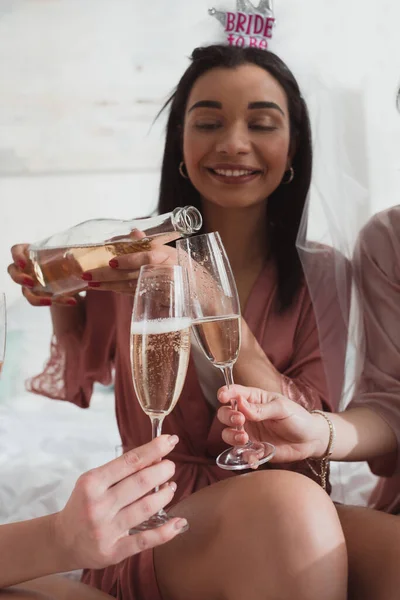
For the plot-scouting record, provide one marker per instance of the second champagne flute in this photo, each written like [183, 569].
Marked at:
[215, 312]
[160, 348]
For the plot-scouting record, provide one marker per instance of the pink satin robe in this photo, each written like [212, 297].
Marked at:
[289, 340]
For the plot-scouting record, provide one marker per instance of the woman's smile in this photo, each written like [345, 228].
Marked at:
[234, 174]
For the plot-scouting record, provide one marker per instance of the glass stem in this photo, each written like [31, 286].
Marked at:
[156, 426]
[228, 376]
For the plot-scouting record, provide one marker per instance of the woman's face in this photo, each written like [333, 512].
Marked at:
[236, 135]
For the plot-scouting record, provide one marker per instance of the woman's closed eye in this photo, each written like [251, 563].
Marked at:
[208, 125]
[263, 125]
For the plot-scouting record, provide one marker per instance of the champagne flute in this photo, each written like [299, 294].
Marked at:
[215, 313]
[160, 348]
[3, 328]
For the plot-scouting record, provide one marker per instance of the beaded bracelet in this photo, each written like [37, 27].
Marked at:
[324, 460]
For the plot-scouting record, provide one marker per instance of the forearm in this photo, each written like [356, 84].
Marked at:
[30, 549]
[253, 368]
[361, 434]
[257, 371]
[67, 319]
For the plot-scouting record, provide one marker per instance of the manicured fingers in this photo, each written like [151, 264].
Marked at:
[36, 299]
[19, 253]
[146, 507]
[19, 276]
[228, 394]
[64, 301]
[274, 407]
[256, 404]
[132, 544]
[230, 417]
[31, 290]
[134, 460]
[232, 437]
[109, 275]
[253, 457]
[131, 488]
[126, 266]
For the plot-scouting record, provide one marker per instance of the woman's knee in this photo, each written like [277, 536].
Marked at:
[277, 497]
[291, 510]
[257, 528]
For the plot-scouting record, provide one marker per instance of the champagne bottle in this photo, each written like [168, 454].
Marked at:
[60, 260]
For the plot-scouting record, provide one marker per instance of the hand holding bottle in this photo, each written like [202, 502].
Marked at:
[120, 276]
[123, 271]
[102, 253]
[21, 272]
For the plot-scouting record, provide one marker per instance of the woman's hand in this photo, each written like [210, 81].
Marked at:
[271, 417]
[120, 276]
[21, 271]
[92, 529]
[123, 271]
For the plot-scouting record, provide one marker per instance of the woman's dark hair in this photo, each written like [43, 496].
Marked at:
[287, 203]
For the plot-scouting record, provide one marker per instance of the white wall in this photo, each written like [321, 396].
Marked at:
[81, 81]
[34, 207]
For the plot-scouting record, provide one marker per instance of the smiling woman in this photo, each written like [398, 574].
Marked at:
[239, 138]
[237, 147]
[241, 109]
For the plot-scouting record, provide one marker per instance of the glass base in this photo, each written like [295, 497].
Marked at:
[155, 521]
[249, 456]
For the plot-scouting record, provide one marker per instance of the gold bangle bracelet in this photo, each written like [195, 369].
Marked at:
[324, 460]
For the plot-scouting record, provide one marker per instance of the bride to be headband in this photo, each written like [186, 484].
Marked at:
[247, 25]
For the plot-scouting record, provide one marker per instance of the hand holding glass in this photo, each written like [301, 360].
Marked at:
[215, 313]
[160, 348]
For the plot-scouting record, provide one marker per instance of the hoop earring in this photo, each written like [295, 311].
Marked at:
[181, 171]
[291, 176]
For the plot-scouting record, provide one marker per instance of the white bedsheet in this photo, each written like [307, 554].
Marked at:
[45, 445]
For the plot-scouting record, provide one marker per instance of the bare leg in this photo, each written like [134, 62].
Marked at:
[373, 543]
[269, 535]
[53, 587]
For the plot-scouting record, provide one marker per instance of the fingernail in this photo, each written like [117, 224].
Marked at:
[45, 302]
[72, 302]
[235, 419]
[253, 462]
[113, 263]
[87, 276]
[94, 284]
[181, 525]
[21, 263]
[173, 440]
[27, 282]
[173, 486]
[239, 437]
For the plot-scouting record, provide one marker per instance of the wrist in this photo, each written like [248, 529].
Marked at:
[63, 550]
[322, 435]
